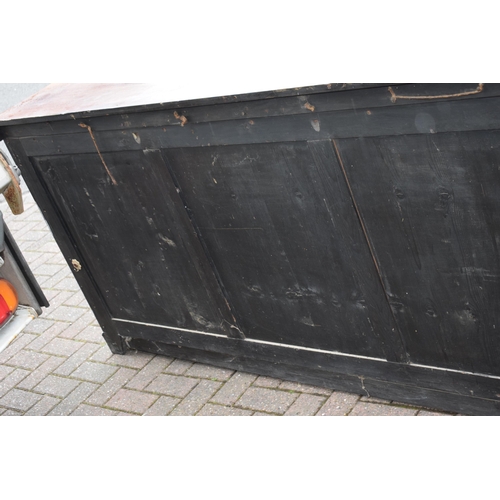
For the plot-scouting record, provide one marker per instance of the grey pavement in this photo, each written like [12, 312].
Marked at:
[60, 364]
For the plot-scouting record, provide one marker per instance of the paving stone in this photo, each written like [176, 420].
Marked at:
[94, 372]
[36, 245]
[75, 328]
[84, 410]
[338, 404]
[75, 300]
[56, 386]
[132, 401]
[19, 400]
[131, 359]
[57, 299]
[211, 372]
[305, 405]
[268, 400]
[234, 388]
[19, 343]
[91, 334]
[27, 359]
[102, 354]
[267, 382]
[46, 269]
[171, 385]
[71, 402]
[213, 410]
[19, 227]
[178, 367]
[51, 294]
[56, 278]
[56, 258]
[76, 359]
[84, 303]
[51, 333]
[11, 413]
[69, 283]
[33, 236]
[49, 247]
[62, 347]
[149, 372]
[163, 406]
[40, 373]
[5, 370]
[308, 389]
[363, 408]
[35, 259]
[39, 325]
[111, 386]
[12, 380]
[43, 406]
[195, 400]
[65, 313]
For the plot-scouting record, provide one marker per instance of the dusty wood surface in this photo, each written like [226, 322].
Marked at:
[330, 235]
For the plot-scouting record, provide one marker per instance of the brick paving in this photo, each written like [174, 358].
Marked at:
[60, 364]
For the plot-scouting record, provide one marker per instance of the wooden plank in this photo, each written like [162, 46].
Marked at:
[431, 206]
[328, 363]
[269, 240]
[278, 223]
[83, 98]
[427, 118]
[67, 244]
[135, 239]
[358, 100]
[391, 381]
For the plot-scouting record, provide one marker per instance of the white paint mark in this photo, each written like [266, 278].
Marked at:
[167, 240]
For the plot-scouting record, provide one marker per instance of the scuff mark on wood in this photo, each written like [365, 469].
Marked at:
[309, 106]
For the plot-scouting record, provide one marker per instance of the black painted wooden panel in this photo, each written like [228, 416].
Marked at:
[136, 240]
[280, 227]
[358, 100]
[427, 118]
[431, 206]
[245, 217]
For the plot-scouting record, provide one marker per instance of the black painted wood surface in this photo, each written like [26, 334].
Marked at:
[346, 237]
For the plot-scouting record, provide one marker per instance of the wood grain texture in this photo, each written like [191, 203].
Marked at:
[447, 398]
[361, 101]
[426, 118]
[135, 239]
[352, 240]
[431, 205]
[279, 225]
